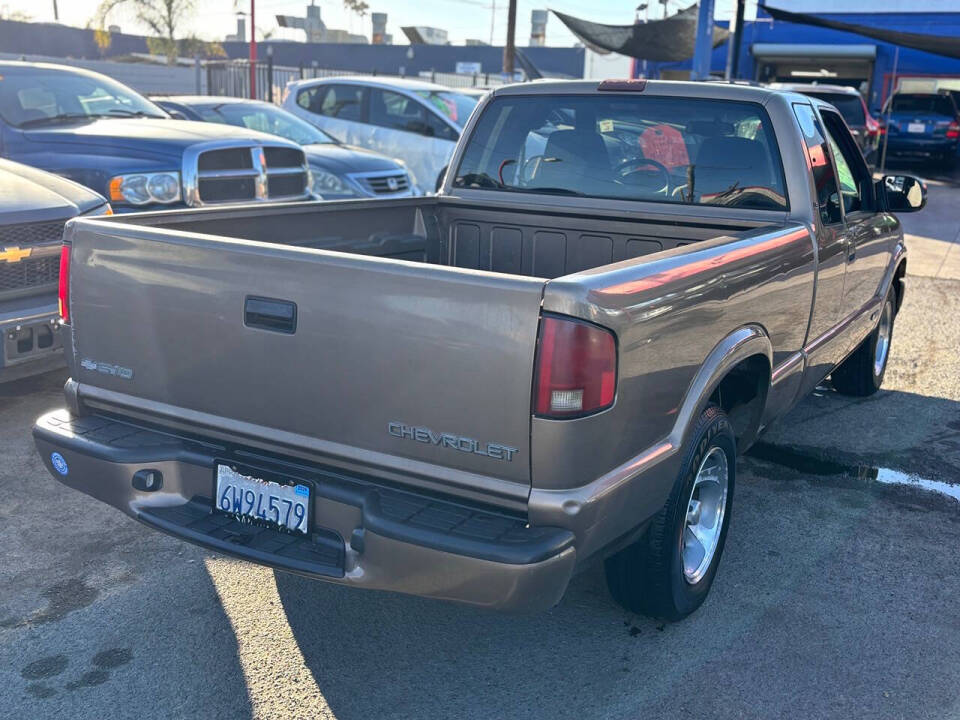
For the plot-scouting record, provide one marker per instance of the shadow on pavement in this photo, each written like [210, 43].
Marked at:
[819, 609]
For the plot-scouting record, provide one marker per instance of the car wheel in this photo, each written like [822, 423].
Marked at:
[668, 572]
[862, 373]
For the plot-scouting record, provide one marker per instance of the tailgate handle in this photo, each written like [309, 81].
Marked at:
[270, 314]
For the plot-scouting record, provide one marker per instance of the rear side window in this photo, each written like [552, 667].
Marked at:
[627, 147]
[344, 102]
[821, 166]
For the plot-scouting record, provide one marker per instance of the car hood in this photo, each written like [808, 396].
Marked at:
[31, 195]
[344, 159]
[142, 137]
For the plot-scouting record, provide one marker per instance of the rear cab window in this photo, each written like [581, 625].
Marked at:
[627, 147]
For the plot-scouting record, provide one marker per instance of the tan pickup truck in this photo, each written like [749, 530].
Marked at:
[470, 396]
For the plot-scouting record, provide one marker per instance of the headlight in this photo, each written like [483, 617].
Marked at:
[145, 188]
[326, 184]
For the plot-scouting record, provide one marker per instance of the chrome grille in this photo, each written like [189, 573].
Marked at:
[388, 183]
[231, 172]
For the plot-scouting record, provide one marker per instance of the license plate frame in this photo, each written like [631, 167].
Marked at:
[916, 127]
[256, 498]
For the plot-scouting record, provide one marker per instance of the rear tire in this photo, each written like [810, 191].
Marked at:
[861, 374]
[663, 574]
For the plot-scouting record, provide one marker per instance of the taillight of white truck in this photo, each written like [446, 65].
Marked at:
[576, 368]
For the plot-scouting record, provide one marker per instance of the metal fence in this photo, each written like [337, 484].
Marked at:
[232, 78]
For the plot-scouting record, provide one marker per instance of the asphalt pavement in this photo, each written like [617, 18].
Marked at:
[836, 596]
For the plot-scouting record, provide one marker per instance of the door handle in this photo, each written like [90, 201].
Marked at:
[270, 314]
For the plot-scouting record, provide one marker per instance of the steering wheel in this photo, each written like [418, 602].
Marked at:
[633, 166]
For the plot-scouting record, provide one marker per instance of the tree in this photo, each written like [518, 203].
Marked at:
[357, 6]
[164, 18]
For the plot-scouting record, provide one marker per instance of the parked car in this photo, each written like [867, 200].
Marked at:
[866, 130]
[416, 121]
[471, 395]
[923, 125]
[339, 171]
[91, 129]
[34, 205]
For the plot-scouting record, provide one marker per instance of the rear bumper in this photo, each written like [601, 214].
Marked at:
[30, 338]
[920, 147]
[361, 534]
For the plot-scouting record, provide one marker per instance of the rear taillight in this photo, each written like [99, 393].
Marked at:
[576, 371]
[953, 130]
[63, 294]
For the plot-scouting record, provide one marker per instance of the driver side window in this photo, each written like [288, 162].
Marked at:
[821, 165]
[848, 165]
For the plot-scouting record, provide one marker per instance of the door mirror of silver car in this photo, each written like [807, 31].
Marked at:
[904, 193]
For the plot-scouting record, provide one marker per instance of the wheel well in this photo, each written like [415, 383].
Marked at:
[899, 283]
[742, 394]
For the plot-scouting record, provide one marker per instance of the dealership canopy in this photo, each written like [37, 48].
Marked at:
[669, 40]
[937, 44]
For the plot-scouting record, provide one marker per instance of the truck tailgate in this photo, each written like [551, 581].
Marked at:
[397, 366]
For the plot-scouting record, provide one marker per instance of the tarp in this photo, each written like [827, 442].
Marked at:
[669, 40]
[937, 44]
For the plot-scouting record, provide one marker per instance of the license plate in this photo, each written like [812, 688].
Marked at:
[916, 127]
[247, 497]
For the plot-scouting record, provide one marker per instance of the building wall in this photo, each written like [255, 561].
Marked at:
[910, 62]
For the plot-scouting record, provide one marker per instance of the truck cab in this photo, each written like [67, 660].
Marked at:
[101, 134]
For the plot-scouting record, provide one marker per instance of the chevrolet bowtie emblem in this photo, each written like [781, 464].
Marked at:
[14, 254]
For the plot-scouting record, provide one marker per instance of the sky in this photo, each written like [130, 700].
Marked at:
[213, 19]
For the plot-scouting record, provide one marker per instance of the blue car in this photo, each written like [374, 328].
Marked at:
[339, 171]
[924, 125]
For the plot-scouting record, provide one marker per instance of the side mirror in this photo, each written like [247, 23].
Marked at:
[177, 115]
[903, 193]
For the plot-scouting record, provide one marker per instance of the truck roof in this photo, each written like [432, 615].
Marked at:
[675, 88]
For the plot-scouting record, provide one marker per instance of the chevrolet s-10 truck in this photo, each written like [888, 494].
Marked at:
[473, 395]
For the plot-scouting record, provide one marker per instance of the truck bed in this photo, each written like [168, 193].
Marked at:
[545, 243]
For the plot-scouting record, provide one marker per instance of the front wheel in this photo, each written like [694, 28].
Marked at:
[862, 373]
[669, 571]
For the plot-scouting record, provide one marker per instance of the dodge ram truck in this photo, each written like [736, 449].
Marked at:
[470, 396]
[100, 133]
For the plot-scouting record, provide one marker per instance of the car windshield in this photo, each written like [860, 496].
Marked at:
[936, 104]
[455, 106]
[266, 118]
[850, 106]
[35, 96]
[672, 150]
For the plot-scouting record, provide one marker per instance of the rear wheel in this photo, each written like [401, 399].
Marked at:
[669, 571]
[862, 373]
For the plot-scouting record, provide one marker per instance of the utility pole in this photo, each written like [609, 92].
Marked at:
[493, 16]
[253, 52]
[703, 48]
[735, 41]
[508, 49]
[56, 13]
